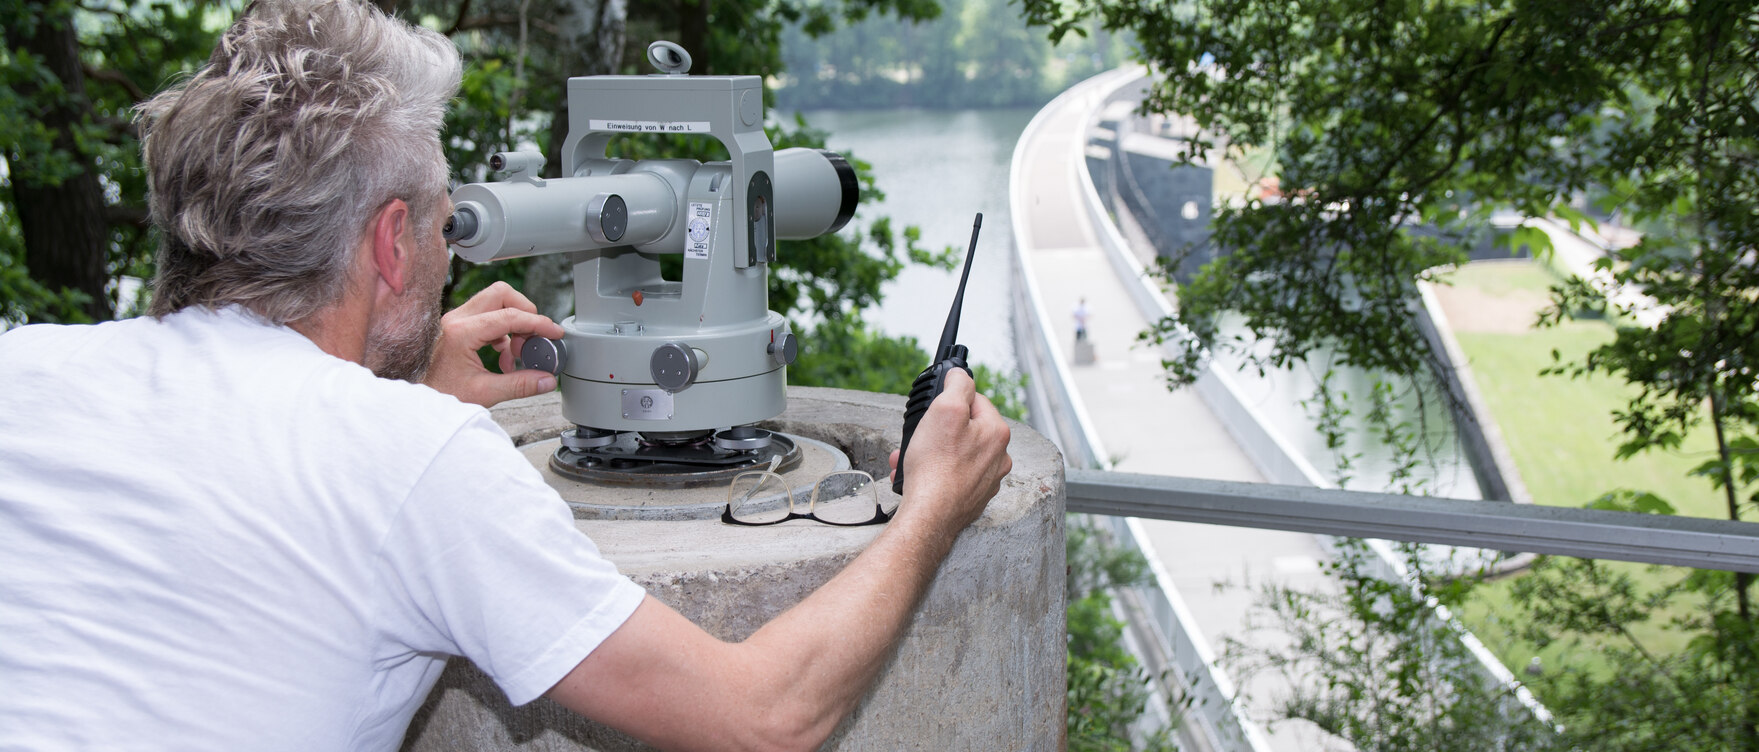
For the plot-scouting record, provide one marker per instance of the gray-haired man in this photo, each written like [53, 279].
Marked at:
[219, 530]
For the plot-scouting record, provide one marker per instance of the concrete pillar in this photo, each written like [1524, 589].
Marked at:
[980, 667]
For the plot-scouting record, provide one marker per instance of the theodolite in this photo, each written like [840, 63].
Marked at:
[662, 377]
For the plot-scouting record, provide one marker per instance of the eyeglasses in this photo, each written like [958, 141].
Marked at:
[845, 498]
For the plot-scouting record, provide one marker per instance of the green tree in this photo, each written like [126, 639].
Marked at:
[73, 213]
[1382, 667]
[1397, 129]
[1108, 688]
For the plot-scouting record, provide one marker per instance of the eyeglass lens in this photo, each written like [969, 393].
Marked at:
[849, 497]
[758, 497]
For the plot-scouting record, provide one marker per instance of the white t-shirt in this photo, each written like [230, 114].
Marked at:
[213, 535]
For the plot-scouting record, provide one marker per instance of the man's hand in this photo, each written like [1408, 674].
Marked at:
[497, 316]
[958, 456]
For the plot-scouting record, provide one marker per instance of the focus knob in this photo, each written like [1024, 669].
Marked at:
[785, 350]
[674, 366]
[607, 218]
[548, 355]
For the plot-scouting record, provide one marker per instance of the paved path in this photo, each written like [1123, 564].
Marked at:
[1144, 427]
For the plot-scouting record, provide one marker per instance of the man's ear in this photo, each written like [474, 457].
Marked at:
[391, 246]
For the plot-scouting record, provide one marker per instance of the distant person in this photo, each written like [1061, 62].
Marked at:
[1083, 348]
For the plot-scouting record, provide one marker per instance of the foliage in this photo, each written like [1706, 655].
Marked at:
[1108, 688]
[843, 352]
[24, 300]
[1397, 129]
[1384, 121]
[1640, 699]
[975, 53]
[1381, 665]
[124, 51]
[1682, 167]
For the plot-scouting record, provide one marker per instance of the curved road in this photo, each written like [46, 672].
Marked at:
[1143, 427]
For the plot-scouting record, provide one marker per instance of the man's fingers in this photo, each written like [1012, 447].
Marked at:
[959, 382]
[495, 388]
[496, 296]
[521, 384]
[507, 346]
[956, 392]
[983, 409]
[485, 328]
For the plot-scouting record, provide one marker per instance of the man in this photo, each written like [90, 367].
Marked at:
[1080, 313]
[218, 530]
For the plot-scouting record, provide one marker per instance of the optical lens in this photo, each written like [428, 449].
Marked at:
[758, 497]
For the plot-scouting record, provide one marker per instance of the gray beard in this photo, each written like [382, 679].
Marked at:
[401, 349]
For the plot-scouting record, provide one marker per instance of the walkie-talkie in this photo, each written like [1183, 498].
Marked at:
[947, 357]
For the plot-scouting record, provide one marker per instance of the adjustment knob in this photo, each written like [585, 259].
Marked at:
[674, 366]
[785, 350]
[548, 355]
[607, 218]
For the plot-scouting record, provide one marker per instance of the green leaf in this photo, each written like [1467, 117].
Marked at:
[1538, 243]
[1574, 216]
[1641, 502]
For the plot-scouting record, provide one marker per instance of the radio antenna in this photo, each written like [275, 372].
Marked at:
[951, 332]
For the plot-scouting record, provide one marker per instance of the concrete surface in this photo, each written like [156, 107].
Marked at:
[980, 667]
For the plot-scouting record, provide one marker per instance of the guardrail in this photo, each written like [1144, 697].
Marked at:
[1696, 542]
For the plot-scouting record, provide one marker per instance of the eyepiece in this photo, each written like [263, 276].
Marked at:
[461, 225]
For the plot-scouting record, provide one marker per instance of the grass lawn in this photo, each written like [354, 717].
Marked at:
[1561, 430]
[1235, 177]
[1563, 438]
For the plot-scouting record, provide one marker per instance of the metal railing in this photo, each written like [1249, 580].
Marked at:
[1499, 525]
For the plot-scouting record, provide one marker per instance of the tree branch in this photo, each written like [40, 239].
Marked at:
[124, 214]
[116, 77]
[498, 21]
[458, 20]
[118, 130]
[1453, 102]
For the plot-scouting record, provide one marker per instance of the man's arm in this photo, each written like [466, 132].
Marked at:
[497, 316]
[667, 682]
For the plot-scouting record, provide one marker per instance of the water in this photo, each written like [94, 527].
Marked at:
[938, 169]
